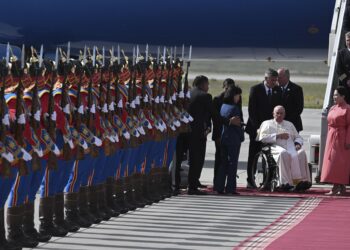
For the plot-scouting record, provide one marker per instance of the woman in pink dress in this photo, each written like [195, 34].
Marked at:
[336, 161]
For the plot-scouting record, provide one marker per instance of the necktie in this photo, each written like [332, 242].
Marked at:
[269, 93]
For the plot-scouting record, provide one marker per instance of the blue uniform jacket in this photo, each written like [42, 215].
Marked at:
[231, 134]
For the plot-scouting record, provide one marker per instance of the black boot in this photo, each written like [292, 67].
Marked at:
[83, 206]
[119, 193]
[102, 204]
[28, 225]
[4, 245]
[72, 212]
[94, 204]
[129, 193]
[153, 185]
[146, 190]
[111, 196]
[58, 218]
[47, 226]
[137, 186]
[14, 228]
[166, 182]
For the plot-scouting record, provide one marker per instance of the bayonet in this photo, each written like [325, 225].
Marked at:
[68, 52]
[137, 53]
[22, 57]
[103, 56]
[174, 53]
[183, 52]
[158, 54]
[164, 55]
[133, 56]
[190, 53]
[94, 57]
[146, 53]
[171, 56]
[41, 56]
[112, 55]
[84, 56]
[56, 60]
[118, 54]
[7, 55]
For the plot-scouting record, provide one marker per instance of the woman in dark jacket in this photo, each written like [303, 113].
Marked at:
[231, 139]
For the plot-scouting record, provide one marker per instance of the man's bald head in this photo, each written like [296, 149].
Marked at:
[283, 76]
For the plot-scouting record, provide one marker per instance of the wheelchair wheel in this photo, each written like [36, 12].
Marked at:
[260, 171]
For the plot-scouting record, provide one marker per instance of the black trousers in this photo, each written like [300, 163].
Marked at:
[197, 148]
[181, 149]
[254, 148]
[217, 162]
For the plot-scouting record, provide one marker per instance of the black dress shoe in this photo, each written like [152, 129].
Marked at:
[202, 186]
[251, 186]
[195, 192]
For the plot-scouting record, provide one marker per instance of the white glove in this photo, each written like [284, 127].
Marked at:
[132, 105]
[141, 130]
[6, 120]
[66, 109]
[174, 97]
[37, 115]
[116, 138]
[39, 152]
[56, 151]
[104, 109]
[7, 156]
[120, 103]
[137, 100]
[182, 94]
[71, 144]
[157, 99]
[172, 127]
[162, 99]
[81, 109]
[97, 141]
[177, 123]
[126, 135]
[149, 126]
[137, 134]
[21, 119]
[111, 106]
[184, 119]
[161, 128]
[170, 101]
[145, 99]
[26, 156]
[54, 116]
[85, 146]
[93, 109]
[188, 94]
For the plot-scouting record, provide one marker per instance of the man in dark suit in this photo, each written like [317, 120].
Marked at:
[217, 126]
[343, 66]
[202, 110]
[263, 98]
[292, 98]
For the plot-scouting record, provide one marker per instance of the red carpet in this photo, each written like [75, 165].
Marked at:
[326, 227]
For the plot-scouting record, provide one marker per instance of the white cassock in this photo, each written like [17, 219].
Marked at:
[292, 164]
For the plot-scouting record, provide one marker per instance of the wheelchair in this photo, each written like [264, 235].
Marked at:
[265, 170]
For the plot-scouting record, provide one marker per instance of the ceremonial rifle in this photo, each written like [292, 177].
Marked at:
[6, 165]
